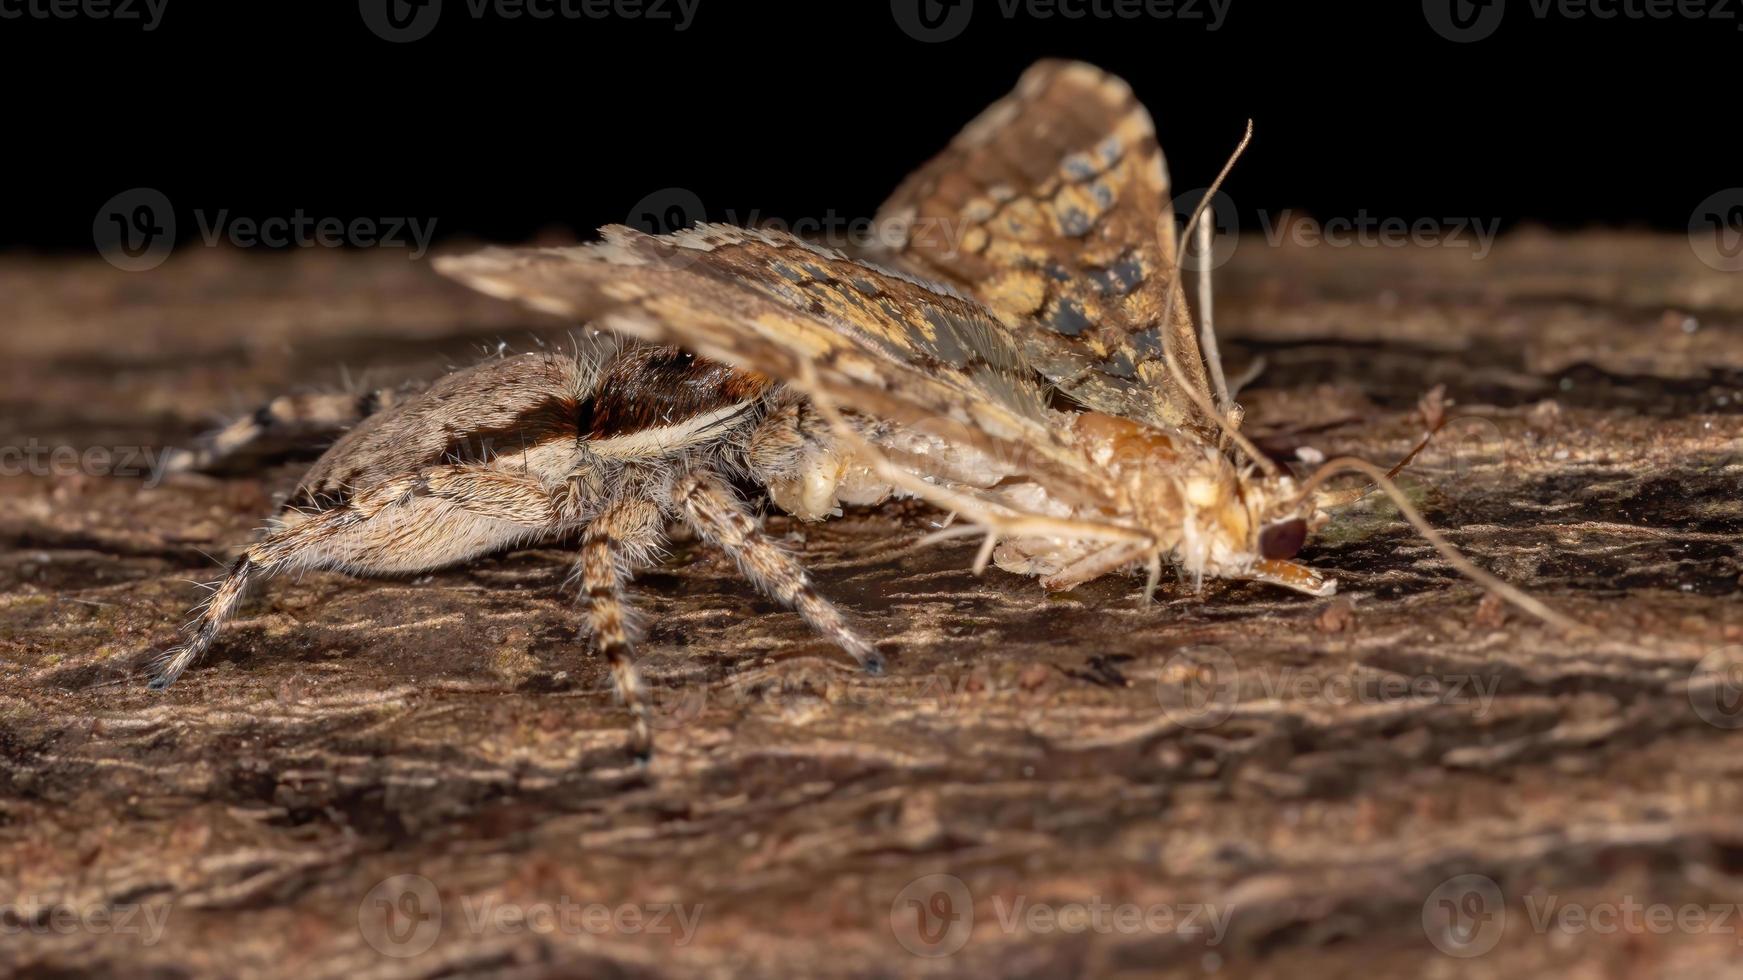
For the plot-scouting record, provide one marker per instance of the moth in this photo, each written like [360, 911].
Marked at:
[1018, 352]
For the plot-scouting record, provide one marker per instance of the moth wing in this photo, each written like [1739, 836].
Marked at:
[875, 341]
[1052, 207]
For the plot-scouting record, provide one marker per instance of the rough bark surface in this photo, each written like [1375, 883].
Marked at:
[1305, 774]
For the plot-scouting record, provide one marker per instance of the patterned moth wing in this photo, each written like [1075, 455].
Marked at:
[1052, 207]
[881, 343]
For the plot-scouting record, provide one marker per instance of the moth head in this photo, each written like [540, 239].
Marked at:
[1282, 519]
[1235, 518]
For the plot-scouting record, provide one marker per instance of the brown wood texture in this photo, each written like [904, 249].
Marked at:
[1304, 774]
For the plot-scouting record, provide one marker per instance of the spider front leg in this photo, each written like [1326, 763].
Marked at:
[622, 538]
[285, 422]
[709, 506]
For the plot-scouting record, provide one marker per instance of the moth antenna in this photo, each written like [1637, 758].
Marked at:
[1175, 372]
[1511, 593]
[1213, 357]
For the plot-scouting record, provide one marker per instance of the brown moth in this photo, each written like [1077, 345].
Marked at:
[1038, 376]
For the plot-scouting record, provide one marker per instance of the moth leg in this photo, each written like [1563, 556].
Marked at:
[1292, 575]
[621, 538]
[716, 513]
[1093, 566]
[285, 422]
[343, 536]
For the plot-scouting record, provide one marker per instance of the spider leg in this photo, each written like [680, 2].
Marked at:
[285, 422]
[711, 507]
[622, 537]
[408, 523]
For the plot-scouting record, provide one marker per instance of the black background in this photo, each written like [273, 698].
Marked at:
[505, 129]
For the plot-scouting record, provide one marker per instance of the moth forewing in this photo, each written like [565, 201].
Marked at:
[893, 347]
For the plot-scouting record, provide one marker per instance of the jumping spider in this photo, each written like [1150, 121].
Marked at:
[612, 441]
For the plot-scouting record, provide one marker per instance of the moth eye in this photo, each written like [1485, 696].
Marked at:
[1283, 539]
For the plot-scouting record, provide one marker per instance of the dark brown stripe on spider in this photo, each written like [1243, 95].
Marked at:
[550, 420]
[649, 387]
